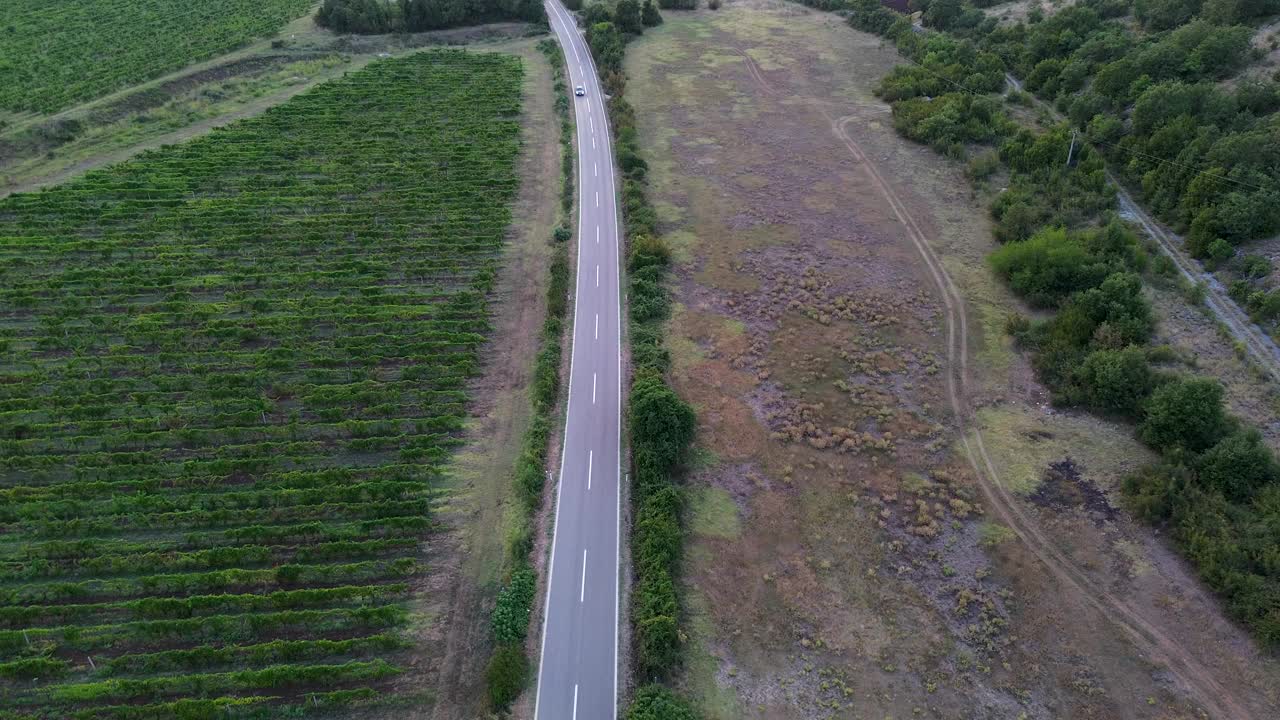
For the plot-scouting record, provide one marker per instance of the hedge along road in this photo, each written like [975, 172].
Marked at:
[578, 666]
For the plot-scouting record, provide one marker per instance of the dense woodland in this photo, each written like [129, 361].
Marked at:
[372, 17]
[1147, 100]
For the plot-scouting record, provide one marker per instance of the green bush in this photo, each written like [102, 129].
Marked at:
[510, 618]
[507, 675]
[655, 702]
[1186, 413]
[1048, 267]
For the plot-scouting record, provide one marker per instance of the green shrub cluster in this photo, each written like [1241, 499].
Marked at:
[238, 367]
[655, 702]
[54, 56]
[369, 17]
[1204, 155]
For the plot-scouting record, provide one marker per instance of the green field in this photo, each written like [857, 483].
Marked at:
[54, 54]
[231, 373]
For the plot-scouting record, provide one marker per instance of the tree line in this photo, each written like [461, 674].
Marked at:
[374, 17]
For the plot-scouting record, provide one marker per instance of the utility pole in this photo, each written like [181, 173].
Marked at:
[1071, 150]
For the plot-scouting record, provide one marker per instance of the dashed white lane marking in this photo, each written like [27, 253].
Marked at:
[592, 123]
[593, 388]
[597, 276]
[593, 142]
[597, 234]
[591, 454]
[595, 168]
[597, 326]
[597, 198]
[575, 701]
[582, 594]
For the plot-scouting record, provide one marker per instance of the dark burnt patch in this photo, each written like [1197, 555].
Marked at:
[1064, 488]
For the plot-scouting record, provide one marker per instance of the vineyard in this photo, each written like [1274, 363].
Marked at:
[231, 374]
[55, 54]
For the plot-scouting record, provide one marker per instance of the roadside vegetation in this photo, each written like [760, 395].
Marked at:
[660, 424]
[1217, 488]
[54, 55]
[233, 371]
[375, 17]
[508, 670]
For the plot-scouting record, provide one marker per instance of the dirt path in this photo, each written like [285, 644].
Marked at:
[1197, 680]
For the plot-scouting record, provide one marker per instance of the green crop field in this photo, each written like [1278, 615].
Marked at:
[55, 53]
[231, 374]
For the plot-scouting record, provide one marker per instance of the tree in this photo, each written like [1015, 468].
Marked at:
[649, 14]
[366, 17]
[943, 14]
[655, 702]
[1048, 266]
[626, 16]
[1238, 465]
[1186, 413]
[1116, 381]
[660, 420]
[606, 45]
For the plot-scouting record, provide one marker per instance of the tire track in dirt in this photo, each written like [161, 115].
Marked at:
[1195, 678]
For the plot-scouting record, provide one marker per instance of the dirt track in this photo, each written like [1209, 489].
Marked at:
[1196, 679]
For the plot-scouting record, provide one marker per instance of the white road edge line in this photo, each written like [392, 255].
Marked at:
[582, 594]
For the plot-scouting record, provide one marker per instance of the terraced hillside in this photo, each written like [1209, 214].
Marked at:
[231, 372]
[54, 54]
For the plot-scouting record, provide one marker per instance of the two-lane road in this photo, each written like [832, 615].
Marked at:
[578, 669]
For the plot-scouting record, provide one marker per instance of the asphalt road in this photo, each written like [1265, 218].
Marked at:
[578, 668]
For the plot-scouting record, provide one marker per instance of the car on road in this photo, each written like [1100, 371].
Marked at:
[579, 91]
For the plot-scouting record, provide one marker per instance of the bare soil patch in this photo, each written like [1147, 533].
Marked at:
[842, 338]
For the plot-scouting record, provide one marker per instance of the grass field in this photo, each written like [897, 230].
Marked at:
[54, 54]
[230, 374]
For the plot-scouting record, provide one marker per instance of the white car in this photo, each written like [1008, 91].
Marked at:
[579, 91]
